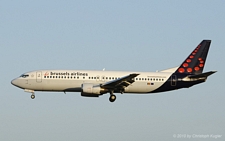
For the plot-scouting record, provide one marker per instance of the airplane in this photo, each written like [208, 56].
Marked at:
[96, 83]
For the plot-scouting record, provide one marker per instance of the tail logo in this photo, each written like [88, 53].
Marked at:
[186, 67]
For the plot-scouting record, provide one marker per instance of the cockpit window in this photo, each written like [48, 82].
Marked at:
[24, 75]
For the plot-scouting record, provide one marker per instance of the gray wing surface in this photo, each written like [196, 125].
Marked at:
[121, 83]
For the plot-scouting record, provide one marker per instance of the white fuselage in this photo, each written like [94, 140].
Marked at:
[72, 80]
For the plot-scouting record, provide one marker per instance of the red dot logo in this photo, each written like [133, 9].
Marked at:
[188, 60]
[191, 56]
[189, 70]
[185, 65]
[201, 65]
[181, 70]
[196, 68]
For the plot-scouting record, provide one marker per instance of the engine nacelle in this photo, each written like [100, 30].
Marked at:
[89, 90]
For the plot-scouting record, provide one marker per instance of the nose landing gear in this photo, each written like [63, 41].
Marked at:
[30, 91]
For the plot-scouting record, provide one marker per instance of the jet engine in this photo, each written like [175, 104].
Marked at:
[91, 90]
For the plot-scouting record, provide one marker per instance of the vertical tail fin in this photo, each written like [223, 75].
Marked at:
[195, 62]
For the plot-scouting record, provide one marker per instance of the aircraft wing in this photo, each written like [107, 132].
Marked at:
[121, 83]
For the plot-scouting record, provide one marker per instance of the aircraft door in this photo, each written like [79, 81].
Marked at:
[39, 77]
[173, 80]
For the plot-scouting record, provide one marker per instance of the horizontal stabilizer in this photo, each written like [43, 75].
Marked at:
[202, 75]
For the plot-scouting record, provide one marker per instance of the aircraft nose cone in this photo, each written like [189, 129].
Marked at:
[18, 83]
[14, 82]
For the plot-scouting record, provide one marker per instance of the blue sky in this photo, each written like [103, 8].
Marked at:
[116, 35]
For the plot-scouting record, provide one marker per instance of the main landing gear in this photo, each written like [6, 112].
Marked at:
[112, 97]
